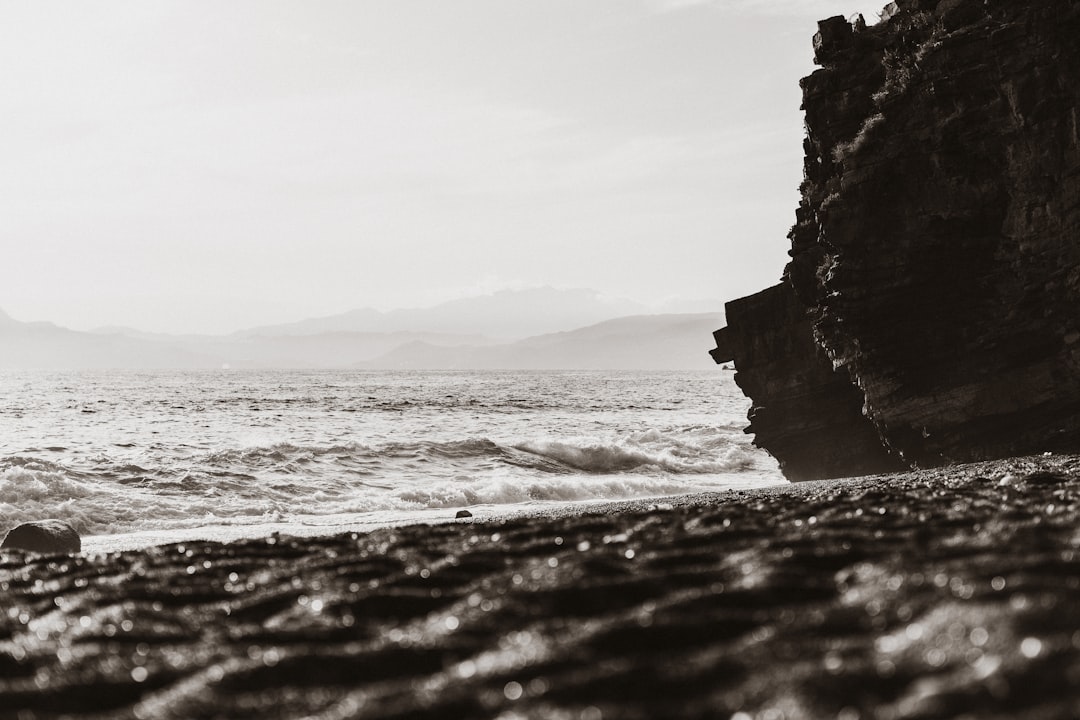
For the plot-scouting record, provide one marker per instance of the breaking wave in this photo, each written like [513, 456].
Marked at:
[675, 457]
[282, 481]
[177, 450]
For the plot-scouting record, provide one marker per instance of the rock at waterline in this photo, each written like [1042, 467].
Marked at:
[43, 536]
[463, 514]
[928, 314]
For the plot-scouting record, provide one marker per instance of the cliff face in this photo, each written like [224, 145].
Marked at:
[801, 405]
[936, 250]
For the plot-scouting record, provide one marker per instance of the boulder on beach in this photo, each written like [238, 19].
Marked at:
[43, 536]
[463, 514]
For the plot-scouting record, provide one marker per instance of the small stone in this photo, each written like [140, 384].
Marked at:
[49, 537]
[463, 514]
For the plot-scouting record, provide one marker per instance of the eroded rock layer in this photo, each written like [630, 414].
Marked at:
[936, 250]
[802, 402]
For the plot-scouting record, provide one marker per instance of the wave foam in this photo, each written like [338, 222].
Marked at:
[651, 449]
[515, 490]
[282, 481]
[692, 450]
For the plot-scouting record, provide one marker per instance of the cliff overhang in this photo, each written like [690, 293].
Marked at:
[930, 312]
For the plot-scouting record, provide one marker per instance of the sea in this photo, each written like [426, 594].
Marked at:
[138, 458]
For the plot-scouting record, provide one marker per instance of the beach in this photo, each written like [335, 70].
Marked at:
[363, 359]
[952, 592]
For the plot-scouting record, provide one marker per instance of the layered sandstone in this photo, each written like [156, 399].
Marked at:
[936, 251]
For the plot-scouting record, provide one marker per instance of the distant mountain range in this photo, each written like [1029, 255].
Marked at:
[45, 346]
[506, 315]
[652, 342]
[529, 329]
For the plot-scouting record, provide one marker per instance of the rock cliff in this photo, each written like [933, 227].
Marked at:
[931, 309]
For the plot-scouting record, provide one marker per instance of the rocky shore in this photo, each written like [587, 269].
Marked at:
[941, 593]
[928, 313]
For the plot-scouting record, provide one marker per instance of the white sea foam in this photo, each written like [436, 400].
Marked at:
[282, 483]
[512, 490]
[165, 452]
[649, 450]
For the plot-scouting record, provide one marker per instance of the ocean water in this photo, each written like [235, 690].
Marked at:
[157, 453]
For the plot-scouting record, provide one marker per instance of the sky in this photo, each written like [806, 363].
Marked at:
[205, 166]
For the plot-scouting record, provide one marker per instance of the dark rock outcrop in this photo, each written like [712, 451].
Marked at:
[801, 403]
[49, 537]
[935, 274]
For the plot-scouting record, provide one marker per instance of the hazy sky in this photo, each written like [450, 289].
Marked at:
[201, 165]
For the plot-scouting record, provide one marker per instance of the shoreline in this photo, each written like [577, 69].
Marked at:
[933, 593]
[143, 539]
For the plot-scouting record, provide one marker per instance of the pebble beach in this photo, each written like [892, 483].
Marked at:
[952, 592]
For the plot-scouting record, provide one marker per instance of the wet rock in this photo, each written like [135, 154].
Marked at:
[463, 514]
[43, 536]
[934, 270]
[1043, 477]
[888, 597]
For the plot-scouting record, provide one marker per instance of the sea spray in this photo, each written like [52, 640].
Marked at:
[181, 450]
